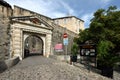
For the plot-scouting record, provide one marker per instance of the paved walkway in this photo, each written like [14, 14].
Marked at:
[41, 68]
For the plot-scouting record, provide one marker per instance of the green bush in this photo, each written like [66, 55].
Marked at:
[104, 56]
[74, 49]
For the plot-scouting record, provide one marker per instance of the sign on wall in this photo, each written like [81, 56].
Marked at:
[65, 39]
[58, 47]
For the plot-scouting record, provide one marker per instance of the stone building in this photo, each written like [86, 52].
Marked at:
[71, 23]
[26, 31]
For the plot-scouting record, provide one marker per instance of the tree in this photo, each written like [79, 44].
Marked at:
[84, 35]
[106, 26]
[104, 31]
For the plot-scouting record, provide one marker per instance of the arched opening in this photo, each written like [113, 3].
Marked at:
[33, 45]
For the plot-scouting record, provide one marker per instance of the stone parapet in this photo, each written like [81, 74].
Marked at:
[8, 63]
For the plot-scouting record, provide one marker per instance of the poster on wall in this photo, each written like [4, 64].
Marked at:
[58, 47]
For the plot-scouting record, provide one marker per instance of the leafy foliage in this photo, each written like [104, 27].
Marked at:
[104, 31]
[74, 49]
[104, 54]
[84, 35]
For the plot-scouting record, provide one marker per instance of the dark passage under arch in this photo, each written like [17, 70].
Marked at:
[33, 45]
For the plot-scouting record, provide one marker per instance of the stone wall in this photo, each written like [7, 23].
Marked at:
[8, 63]
[4, 40]
[58, 32]
[5, 12]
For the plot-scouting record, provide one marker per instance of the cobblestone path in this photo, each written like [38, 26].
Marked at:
[41, 68]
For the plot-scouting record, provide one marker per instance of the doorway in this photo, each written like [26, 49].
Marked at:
[33, 45]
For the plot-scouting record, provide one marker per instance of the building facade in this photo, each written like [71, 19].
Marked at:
[71, 23]
[26, 31]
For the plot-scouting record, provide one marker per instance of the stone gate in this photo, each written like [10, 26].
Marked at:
[25, 26]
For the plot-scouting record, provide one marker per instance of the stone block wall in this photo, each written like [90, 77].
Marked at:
[4, 38]
[57, 37]
[5, 13]
[5, 10]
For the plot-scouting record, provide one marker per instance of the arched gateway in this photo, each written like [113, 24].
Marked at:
[30, 35]
[33, 45]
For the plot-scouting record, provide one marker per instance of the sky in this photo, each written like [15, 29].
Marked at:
[83, 9]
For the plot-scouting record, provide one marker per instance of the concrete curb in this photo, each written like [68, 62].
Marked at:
[8, 63]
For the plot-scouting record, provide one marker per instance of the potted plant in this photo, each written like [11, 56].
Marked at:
[74, 51]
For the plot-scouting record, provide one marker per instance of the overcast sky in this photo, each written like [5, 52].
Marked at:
[82, 9]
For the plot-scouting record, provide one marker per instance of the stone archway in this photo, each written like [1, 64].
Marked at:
[33, 45]
[21, 30]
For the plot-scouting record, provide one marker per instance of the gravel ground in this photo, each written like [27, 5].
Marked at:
[41, 68]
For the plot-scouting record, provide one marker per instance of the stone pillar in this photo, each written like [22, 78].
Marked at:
[17, 43]
[48, 45]
[11, 41]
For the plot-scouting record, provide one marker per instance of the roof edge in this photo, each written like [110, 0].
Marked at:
[68, 17]
[32, 11]
[4, 3]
